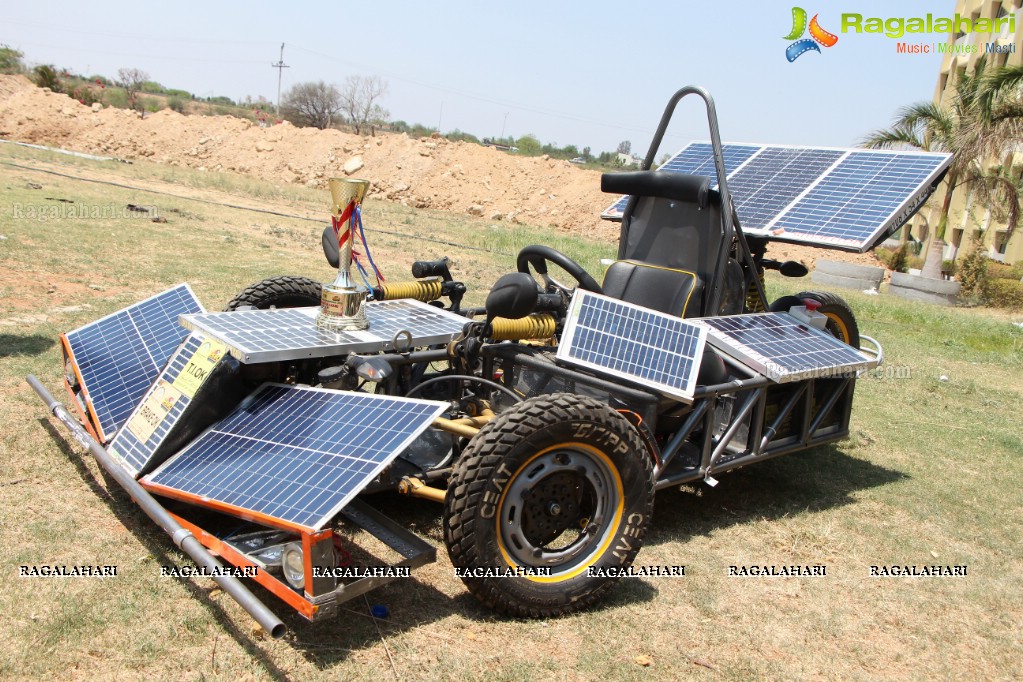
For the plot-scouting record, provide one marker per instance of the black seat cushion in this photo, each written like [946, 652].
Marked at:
[671, 291]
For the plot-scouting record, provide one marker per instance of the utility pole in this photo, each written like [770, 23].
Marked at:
[280, 66]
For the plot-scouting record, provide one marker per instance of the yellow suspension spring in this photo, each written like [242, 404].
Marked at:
[753, 303]
[425, 290]
[535, 326]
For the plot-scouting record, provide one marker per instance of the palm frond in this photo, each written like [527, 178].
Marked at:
[895, 137]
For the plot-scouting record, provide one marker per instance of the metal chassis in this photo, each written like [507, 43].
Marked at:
[809, 402]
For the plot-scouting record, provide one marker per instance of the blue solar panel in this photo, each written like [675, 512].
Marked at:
[289, 333]
[119, 356]
[659, 351]
[163, 404]
[783, 348]
[857, 198]
[826, 196]
[294, 455]
[773, 179]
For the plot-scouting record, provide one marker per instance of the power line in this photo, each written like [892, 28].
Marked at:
[280, 66]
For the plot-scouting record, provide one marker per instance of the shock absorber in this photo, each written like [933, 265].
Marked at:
[535, 326]
[753, 303]
[425, 290]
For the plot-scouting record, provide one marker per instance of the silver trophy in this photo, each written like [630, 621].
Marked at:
[343, 302]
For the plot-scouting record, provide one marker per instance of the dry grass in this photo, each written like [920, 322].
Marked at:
[931, 474]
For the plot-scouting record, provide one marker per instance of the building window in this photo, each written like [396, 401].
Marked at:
[1000, 242]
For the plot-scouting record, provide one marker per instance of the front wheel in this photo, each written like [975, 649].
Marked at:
[548, 505]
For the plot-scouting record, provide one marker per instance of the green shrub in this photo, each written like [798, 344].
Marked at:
[10, 60]
[899, 261]
[45, 76]
[176, 104]
[151, 104]
[896, 260]
[116, 97]
[973, 277]
[948, 267]
[1005, 293]
[1002, 271]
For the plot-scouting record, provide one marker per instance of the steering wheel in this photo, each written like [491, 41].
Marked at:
[538, 256]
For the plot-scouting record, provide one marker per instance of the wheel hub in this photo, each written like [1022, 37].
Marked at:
[556, 509]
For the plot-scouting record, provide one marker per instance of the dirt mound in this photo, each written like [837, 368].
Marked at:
[425, 173]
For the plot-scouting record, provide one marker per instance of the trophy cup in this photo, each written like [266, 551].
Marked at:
[343, 302]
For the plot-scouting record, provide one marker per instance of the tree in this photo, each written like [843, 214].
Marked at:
[311, 104]
[529, 145]
[625, 147]
[981, 119]
[359, 97]
[132, 81]
[10, 60]
[586, 153]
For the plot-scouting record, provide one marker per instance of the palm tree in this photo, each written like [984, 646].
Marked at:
[983, 118]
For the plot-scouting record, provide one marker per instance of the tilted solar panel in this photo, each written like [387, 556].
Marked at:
[119, 356]
[162, 407]
[293, 457]
[662, 352]
[291, 333]
[826, 196]
[783, 348]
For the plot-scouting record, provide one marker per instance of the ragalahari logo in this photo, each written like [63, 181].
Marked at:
[817, 35]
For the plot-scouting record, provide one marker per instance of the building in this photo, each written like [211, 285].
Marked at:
[967, 221]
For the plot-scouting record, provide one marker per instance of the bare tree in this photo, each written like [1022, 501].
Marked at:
[624, 147]
[132, 80]
[311, 104]
[359, 101]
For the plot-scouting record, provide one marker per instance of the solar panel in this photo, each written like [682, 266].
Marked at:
[293, 457]
[782, 348]
[659, 351]
[826, 196]
[161, 408]
[119, 356]
[291, 333]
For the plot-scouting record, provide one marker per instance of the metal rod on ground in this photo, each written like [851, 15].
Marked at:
[182, 538]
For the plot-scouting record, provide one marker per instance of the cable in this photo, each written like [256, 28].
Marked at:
[247, 208]
[467, 378]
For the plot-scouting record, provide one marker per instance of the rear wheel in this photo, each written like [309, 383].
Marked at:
[841, 321]
[547, 505]
[286, 291]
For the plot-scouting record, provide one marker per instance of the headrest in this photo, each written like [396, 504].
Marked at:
[664, 184]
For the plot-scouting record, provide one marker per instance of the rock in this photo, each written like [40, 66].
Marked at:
[262, 146]
[430, 145]
[353, 164]
[497, 215]
[96, 107]
[475, 209]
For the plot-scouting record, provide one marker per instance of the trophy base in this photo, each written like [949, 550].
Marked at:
[342, 309]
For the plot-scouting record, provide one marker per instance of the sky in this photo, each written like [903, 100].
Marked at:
[590, 73]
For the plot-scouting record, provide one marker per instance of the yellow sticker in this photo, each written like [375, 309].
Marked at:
[153, 410]
[199, 367]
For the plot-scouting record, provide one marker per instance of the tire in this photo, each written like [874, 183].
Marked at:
[286, 291]
[841, 321]
[524, 486]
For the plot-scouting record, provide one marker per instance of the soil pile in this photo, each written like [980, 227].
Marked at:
[425, 173]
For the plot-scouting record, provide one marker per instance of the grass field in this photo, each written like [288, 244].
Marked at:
[931, 474]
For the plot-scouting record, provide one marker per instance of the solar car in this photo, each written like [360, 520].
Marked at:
[544, 422]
